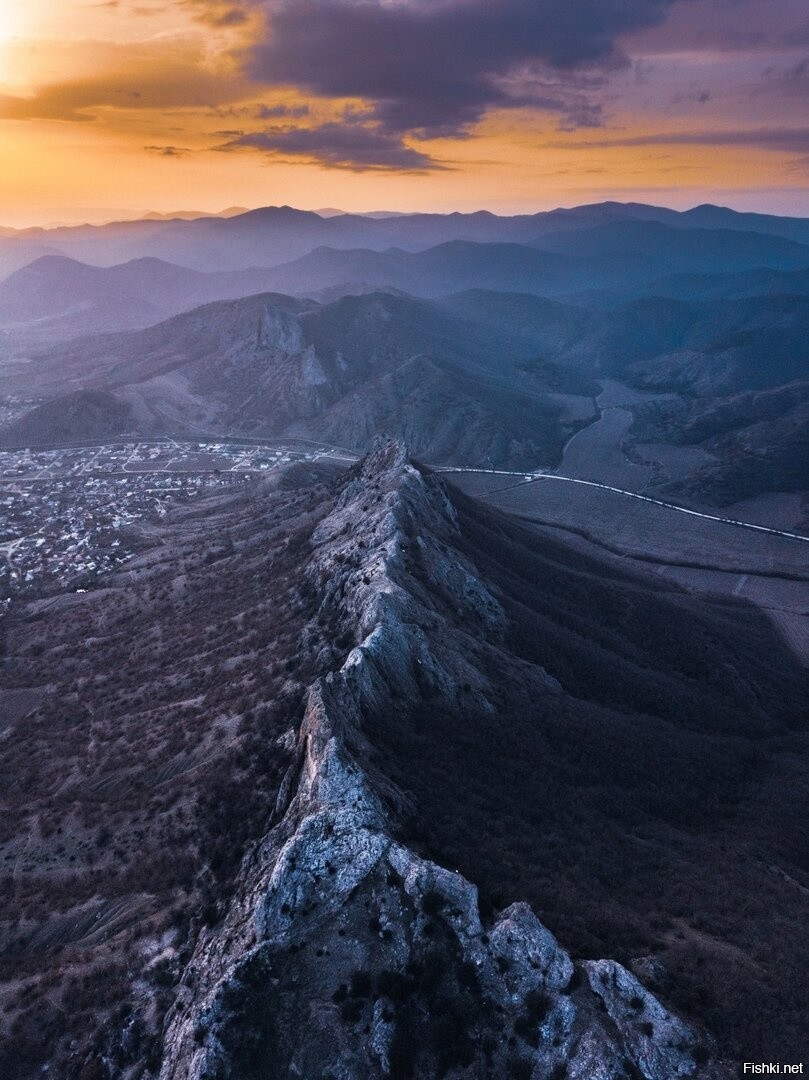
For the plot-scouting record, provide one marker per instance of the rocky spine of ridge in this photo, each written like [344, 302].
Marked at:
[345, 954]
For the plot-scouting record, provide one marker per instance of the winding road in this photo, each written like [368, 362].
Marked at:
[339, 453]
[538, 476]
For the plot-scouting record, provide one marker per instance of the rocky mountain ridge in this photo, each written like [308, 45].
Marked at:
[289, 779]
[342, 941]
[273, 365]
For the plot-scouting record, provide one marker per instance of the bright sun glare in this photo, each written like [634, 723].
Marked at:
[17, 18]
[9, 24]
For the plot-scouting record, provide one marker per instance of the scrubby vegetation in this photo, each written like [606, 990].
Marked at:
[154, 759]
[652, 800]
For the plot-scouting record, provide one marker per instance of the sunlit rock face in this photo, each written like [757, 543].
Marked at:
[347, 955]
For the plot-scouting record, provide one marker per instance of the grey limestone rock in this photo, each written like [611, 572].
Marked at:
[345, 954]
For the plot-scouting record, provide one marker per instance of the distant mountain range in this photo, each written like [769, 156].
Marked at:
[192, 215]
[629, 255]
[478, 339]
[56, 297]
[272, 235]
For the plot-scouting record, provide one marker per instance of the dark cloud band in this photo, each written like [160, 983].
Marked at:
[435, 68]
[347, 145]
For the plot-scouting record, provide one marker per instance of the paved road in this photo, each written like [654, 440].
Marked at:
[538, 477]
[340, 453]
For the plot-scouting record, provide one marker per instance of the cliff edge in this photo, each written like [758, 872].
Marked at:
[344, 953]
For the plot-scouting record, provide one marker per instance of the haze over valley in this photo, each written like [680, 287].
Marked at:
[478, 352]
[634, 386]
[404, 604]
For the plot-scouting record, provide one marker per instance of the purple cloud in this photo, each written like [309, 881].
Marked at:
[276, 112]
[354, 146]
[434, 69]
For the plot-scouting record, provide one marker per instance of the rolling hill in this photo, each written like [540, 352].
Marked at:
[269, 236]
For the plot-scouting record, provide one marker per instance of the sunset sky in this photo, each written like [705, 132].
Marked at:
[113, 108]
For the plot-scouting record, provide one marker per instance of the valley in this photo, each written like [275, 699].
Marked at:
[761, 556]
[601, 495]
[404, 630]
[404, 539]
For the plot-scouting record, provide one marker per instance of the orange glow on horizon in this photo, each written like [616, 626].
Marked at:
[115, 110]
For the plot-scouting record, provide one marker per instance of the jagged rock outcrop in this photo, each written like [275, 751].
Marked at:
[347, 955]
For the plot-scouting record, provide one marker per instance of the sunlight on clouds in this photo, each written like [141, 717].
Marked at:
[103, 96]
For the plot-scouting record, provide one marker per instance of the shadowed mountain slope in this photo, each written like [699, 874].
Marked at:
[452, 379]
[616, 255]
[699, 288]
[717, 349]
[438, 271]
[758, 441]
[380, 678]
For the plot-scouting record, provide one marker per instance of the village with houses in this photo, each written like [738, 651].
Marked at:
[66, 514]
